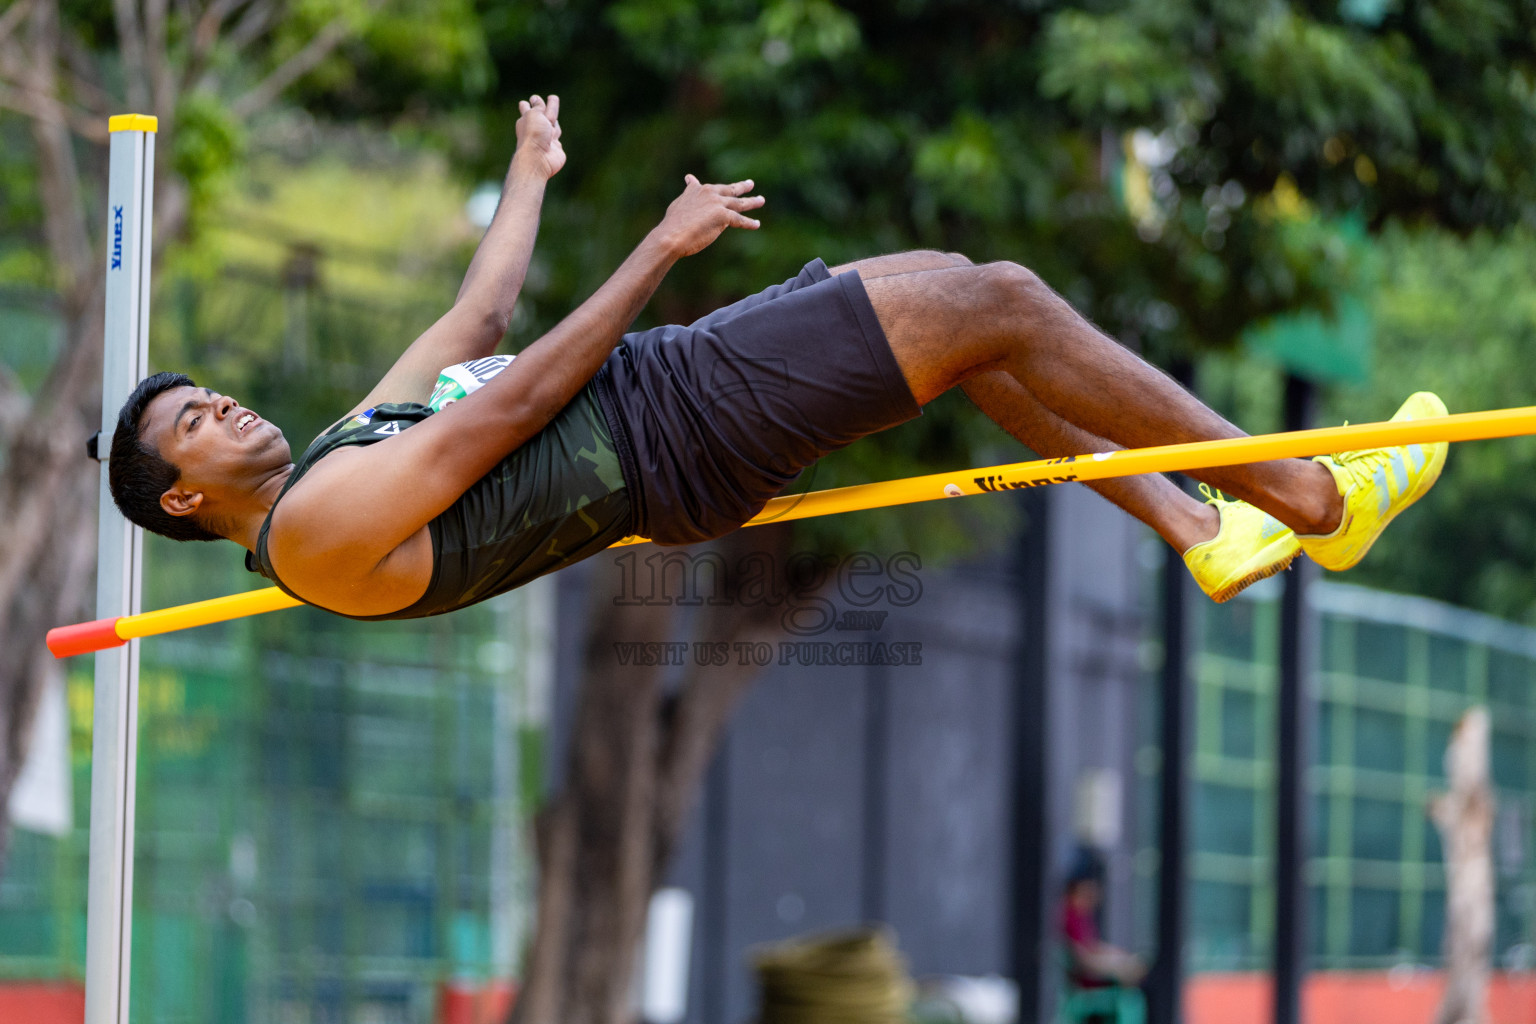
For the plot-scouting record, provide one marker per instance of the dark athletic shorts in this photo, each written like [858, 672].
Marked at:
[719, 416]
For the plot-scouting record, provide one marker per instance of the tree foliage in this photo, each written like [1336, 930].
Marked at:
[1457, 316]
[1016, 131]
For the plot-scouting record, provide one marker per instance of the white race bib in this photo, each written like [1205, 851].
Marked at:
[463, 379]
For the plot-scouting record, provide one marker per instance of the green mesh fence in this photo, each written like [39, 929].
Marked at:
[329, 822]
[1395, 674]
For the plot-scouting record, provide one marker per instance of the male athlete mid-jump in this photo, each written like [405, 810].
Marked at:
[682, 433]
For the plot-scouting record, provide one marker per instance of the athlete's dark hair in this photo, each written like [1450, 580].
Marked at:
[136, 473]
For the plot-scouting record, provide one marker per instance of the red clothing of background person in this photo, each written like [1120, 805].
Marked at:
[1095, 963]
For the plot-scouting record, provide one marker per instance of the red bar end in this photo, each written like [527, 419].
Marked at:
[84, 637]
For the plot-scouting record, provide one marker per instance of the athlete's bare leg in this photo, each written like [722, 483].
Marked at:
[1154, 499]
[947, 326]
[1179, 519]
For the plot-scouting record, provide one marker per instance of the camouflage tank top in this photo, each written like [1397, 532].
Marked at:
[557, 499]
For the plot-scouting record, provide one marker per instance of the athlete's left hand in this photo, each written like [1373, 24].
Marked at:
[538, 136]
[698, 216]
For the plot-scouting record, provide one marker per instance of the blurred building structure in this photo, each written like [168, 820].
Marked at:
[950, 799]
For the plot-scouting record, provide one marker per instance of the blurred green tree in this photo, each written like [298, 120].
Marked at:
[1456, 315]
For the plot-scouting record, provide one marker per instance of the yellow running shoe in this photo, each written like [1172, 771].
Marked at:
[1376, 485]
[1250, 546]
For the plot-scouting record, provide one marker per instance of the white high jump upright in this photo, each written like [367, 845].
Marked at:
[120, 550]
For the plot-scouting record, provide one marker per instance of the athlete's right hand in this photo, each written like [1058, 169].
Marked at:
[698, 216]
[538, 136]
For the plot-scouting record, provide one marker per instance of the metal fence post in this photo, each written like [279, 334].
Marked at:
[1295, 712]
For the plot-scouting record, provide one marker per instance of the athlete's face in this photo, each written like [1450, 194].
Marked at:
[222, 449]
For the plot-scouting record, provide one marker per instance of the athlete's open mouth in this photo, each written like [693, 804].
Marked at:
[245, 421]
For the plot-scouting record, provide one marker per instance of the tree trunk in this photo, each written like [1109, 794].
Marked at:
[47, 554]
[48, 488]
[1464, 817]
[637, 758]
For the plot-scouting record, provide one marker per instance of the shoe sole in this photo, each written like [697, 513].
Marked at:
[1271, 560]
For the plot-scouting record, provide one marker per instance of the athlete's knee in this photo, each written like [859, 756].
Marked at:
[944, 260]
[933, 259]
[1010, 284]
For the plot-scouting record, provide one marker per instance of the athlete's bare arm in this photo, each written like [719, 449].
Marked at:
[474, 326]
[337, 546]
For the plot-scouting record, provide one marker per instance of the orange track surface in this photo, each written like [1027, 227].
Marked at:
[1331, 997]
[475, 1004]
[1351, 997]
[42, 1003]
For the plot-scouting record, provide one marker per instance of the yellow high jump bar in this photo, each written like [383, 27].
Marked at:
[1468, 426]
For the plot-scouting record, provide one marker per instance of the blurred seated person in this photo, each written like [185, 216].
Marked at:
[1092, 962]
